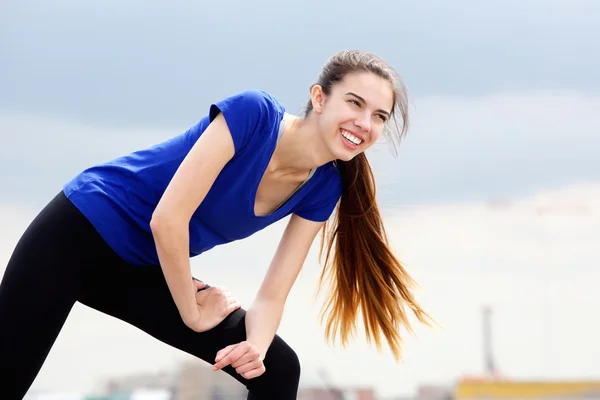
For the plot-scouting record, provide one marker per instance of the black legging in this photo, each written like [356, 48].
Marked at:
[61, 259]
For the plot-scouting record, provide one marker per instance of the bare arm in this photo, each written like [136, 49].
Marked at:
[264, 316]
[183, 195]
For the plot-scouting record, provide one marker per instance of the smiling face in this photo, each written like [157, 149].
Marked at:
[353, 115]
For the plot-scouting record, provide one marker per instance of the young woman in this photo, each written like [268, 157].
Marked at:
[119, 236]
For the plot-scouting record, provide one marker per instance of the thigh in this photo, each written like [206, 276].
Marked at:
[40, 285]
[33, 309]
[140, 297]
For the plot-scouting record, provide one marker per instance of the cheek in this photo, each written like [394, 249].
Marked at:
[335, 116]
[338, 113]
[329, 122]
[377, 132]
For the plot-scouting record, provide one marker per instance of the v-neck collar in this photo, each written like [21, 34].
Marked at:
[285, 118]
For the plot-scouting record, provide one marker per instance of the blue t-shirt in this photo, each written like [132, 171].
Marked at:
[119, 196]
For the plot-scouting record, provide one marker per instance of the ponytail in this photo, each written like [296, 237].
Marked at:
[364, 274]
[361, 268]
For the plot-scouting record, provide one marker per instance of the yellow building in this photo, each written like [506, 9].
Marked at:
[491, 389]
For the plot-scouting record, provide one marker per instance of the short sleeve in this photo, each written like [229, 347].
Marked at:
[244, 113]
[320, 202]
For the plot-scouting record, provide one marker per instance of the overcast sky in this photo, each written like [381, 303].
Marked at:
[140, 67]
[505, 101]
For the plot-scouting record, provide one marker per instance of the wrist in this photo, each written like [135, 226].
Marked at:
[261, 327]
[262, 348]
[190, 313]
[191, 319]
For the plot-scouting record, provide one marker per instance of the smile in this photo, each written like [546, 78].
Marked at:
[351, 138]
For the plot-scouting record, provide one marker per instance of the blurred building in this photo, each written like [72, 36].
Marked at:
[320, 393]
[555, 390]
[197, 381]
[434, 392]
[126, 384]
[485, 388]
[191, 381]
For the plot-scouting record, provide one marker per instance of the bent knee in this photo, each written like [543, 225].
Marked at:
[282, 374]
[282, 360]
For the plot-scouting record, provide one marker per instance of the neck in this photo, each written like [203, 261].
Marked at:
[301, 147]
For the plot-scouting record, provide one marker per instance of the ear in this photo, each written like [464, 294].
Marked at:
[317, 97]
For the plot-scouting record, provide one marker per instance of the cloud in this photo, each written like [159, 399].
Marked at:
[458, 149]
[466, 148]
[40, 153]
[152, 63]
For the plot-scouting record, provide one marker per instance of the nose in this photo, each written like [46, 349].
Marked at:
[363, 122]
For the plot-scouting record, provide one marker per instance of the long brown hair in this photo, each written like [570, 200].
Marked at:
[364, 273]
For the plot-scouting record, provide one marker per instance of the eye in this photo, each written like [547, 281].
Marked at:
[382, 117]
[356, 103]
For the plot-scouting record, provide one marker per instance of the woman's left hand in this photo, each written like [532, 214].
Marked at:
[244, 357]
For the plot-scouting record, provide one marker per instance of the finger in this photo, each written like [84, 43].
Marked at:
[232, 307]
[236, 353]
[247, 358]
[232, 300]
[225, 357]
[224, 290]
[198, 285]
[248, 366]
[254, 373]
[201, 295]
[223, 352]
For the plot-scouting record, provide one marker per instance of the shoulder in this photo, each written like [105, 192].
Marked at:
[247, 112]
[331, 182]
[253, 101]
[331, 173]
[325, 193]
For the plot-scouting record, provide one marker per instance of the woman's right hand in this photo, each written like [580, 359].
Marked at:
[214, 305]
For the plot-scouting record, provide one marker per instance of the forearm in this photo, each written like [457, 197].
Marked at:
[172, 246]
[262, 322]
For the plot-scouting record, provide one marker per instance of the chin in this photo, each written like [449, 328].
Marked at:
[345, 155]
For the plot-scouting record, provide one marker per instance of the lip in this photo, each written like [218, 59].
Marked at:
[348, 144]
[361, 137]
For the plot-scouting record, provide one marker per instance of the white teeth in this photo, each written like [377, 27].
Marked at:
[351, 137]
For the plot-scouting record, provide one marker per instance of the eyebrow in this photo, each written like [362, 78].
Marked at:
[364, 102]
